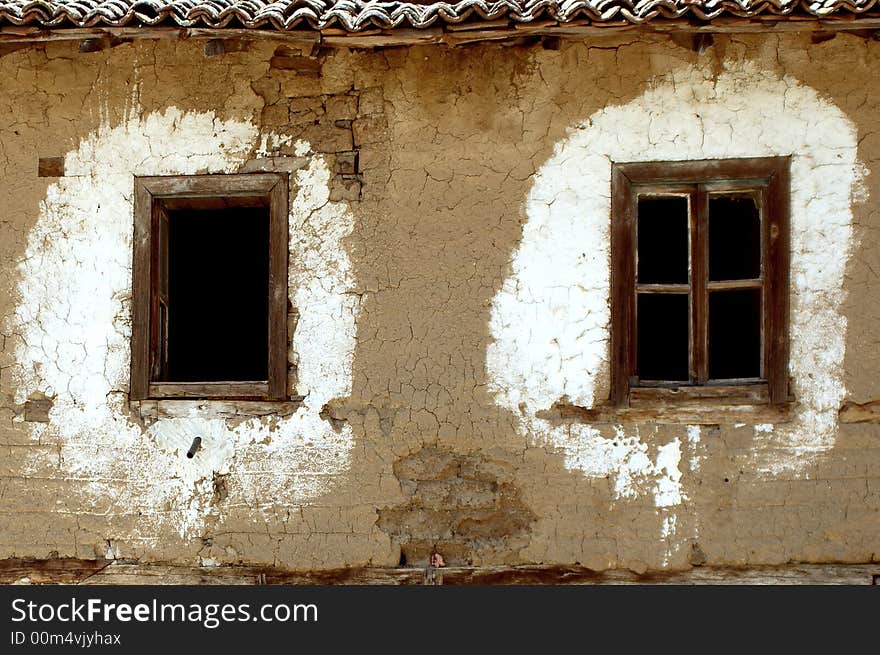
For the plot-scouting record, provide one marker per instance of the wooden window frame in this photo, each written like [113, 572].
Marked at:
[152, 197]
[769, 177]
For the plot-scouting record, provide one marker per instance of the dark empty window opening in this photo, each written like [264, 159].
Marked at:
[734, 237]
[700, 275]
[209, 291]
[663, 336]
[662, 272]
[218, 295]
[663, 265]
[735, 334]
[662, 233]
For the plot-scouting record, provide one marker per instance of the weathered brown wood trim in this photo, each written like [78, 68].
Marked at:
[622, 281]
[677, 411]
[36, 34]
[50, 167]
[454, 34]
[211, 186]
[209, 390]
[158, 290]
[278, 289]
[214, 202]
[776, 221]
[699, 299]
[153, 195]
[106, 572]
[50, 571]
[662, 288]
[221, 408]
[700, 171]
[140, 291]
[728, 285]
[841, 574]
[746, 393]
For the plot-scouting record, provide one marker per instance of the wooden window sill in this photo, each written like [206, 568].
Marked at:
[258, 390]
[222, 409]
[712, 394]
[710, 405]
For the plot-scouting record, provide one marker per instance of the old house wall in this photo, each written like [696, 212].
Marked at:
[449, 282]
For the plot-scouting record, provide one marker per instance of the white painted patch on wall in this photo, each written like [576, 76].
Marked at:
[271, 142]
[550, 320]
[73, 324]
[668, 475]
[693, 442]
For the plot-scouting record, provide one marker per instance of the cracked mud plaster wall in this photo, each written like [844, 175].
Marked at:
[550, 320]
[71, 329]
[436, 194]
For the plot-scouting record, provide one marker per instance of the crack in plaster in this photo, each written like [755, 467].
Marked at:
[74, 324]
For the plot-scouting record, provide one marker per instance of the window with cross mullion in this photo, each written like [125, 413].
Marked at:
[700, 276]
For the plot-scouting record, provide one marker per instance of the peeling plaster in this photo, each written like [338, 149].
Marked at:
[74, 327]
[550, 321]
[668, 490]
[270, 143]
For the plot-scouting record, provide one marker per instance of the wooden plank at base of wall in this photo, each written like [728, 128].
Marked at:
[49, 571]
[105, 572]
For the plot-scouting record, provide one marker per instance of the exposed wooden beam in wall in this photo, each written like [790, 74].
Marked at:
[868, 412]
[97, 572]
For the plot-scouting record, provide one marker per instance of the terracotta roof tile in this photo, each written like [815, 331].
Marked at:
[354, 15]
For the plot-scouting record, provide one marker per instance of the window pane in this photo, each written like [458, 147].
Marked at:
[734, 238]
[662, 349]
[735, 334]
[663, 240]
[218, 291]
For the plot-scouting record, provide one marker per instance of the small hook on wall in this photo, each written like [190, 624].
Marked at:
[196, 444]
